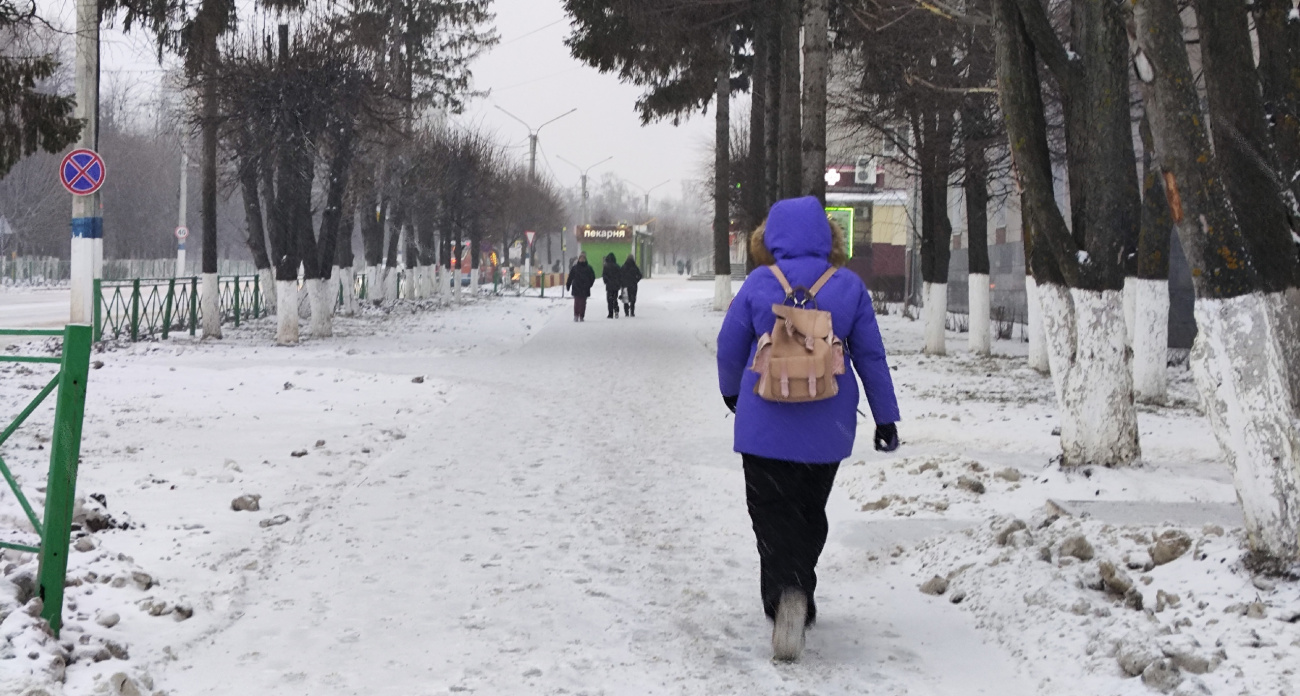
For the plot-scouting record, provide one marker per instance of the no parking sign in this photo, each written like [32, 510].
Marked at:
[82, 172]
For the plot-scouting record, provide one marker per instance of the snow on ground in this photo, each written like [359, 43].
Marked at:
[33, 307]
[493, 499]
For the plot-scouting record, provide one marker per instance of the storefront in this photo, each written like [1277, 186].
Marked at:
[597, 241]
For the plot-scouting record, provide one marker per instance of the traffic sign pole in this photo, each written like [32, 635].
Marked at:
[87, 213]
[180, 221]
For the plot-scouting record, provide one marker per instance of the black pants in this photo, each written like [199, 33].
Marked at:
[787, 504]
[629, 307]
[611, 298]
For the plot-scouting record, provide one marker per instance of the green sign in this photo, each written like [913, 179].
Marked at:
[844, 218]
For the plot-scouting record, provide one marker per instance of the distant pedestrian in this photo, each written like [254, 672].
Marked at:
[612, 275]
[581, 277]
[631, 276]
[792, 447]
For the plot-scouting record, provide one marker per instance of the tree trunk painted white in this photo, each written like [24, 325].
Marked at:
[426, 282]
[1092, 374]
[721, 292]
[1130, 308]
[1037, 337]
[321, 300]
[473, 282]
[1150, 338]
[266, 281]
[936, 315]
[980, 337]
[1286, 309]
[390, 285]
[344, 281]
[374, 284]
[1241, 373]
[455, 284]
[444, 285]
[286, 291]
[211, 310]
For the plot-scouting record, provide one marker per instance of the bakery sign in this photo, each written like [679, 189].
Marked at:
[604, 233]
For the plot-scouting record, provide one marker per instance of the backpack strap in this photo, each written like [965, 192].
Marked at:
[817, 287]
[780, 278]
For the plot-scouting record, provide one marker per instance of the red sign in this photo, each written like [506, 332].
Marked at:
[530, 235]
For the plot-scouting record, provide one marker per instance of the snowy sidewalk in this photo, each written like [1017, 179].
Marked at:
[554, 508]
[493, 499]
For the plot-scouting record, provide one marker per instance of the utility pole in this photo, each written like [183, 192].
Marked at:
[180, 218]
[532, 138]
[646, 209]
[87, 213]
[583, 172]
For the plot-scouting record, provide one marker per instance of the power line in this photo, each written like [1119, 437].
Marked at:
[528, 34]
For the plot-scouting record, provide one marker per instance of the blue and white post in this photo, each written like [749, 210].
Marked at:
[87, 212]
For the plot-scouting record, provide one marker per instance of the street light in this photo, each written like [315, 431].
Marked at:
[647, 191]
[532, 138]
[584, 180]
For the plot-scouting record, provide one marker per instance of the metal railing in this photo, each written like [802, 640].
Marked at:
[143, 307]
[65, 451]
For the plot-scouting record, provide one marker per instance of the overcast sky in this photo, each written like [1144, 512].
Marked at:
[530, 74]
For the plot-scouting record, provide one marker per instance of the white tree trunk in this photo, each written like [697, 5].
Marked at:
[936, 314]
[1130, 308]
[1286, 309]
[347, 286]
[266, 281]
[426, 282]
[1037, 337]
[1092, 374]
[211, 310]
[286, 291]
[1150, 338]
[721, 292]
[374, 284]
[455, 285]
[473, 282]
[444, 285]
[981, 328]
[1241, 374]
[390, 285]
[321, 299]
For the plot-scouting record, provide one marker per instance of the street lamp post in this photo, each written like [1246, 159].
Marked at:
[532, 138]
[584, 180]
[646, 210]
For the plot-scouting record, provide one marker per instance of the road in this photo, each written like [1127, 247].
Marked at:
[34, 309]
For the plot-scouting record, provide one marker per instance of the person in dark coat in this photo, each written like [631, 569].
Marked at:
[791, 451]
[631, 276]
[581, 278]
[613, 277]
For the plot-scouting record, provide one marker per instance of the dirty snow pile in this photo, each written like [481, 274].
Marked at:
[1084, 601]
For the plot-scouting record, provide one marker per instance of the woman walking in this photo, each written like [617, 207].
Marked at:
[581, 277]
[791, 451]
[631, 276]
[613, 277]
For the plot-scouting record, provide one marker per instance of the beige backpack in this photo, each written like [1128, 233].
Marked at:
[800, 358]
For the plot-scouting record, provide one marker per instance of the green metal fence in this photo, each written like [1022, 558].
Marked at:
[143, 307]
[65, 451]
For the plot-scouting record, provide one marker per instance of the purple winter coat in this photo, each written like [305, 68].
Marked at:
[816, 432]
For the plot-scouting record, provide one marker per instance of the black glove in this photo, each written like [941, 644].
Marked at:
[886, 437]
[730, 401]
